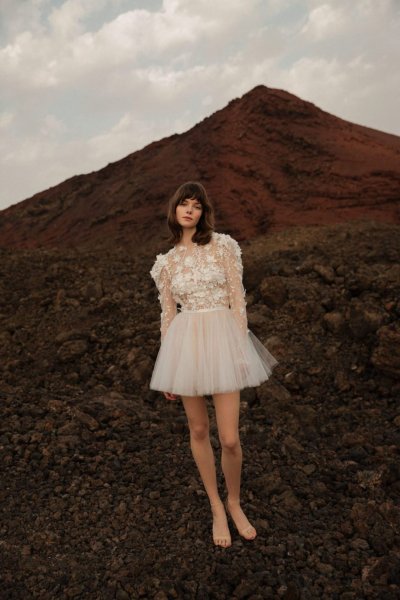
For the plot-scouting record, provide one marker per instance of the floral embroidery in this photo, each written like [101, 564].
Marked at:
[209, 276]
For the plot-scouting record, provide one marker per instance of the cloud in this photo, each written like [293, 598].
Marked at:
[66, 21]
[323, 21]
[6, 119]
[16, 17]
[67, 54]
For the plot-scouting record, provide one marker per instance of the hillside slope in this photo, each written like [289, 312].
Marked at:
[268, 159]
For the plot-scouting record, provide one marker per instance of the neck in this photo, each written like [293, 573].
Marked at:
[187, 235]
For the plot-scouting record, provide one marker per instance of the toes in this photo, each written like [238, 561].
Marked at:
[221, 542]
[251, 532]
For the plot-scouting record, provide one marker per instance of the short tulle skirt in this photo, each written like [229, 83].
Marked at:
[205, 352]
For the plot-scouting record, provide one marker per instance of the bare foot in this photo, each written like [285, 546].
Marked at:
[221, 533]
[243, 525]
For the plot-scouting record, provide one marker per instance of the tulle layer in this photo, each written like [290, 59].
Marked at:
[206, 352]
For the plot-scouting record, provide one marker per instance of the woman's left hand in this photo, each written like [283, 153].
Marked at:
[170, 396]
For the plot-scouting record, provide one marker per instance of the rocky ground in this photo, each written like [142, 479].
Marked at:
[100, 496]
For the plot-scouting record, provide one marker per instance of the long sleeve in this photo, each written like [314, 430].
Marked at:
[162, 280]
[234, 274]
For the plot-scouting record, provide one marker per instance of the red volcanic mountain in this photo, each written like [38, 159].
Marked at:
[269, 160]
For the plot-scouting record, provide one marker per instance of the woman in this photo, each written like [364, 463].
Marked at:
[206, 347]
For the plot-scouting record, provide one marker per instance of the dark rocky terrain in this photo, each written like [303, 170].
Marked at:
[100, 496]
[269, 160]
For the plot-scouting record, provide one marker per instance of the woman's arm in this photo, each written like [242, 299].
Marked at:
[234, 274]
[161, 277]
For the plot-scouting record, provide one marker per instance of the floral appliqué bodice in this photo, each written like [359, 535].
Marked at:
[201, 278]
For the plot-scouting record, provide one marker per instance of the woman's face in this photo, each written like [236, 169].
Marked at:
[188, 212]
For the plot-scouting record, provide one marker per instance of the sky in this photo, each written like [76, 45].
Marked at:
[86, 82]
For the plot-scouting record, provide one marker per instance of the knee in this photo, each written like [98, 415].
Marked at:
[230, 443]
[199, 431]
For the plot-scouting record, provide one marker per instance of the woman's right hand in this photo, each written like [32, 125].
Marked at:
[170, 396]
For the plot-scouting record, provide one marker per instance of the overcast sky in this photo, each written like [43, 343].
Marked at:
[86, 82]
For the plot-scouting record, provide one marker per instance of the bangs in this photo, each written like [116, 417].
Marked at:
[191, 190]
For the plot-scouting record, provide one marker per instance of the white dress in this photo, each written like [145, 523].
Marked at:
[206, 346]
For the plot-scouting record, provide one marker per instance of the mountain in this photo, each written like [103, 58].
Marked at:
[269, 160]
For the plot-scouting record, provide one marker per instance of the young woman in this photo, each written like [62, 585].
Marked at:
[206, 347]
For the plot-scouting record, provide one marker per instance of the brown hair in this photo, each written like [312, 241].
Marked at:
[205, 225]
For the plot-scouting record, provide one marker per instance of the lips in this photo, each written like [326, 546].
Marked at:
[188, 218]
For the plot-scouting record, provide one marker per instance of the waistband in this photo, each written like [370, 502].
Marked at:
[204, 309]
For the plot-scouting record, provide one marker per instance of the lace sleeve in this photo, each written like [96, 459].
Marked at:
[162, 280]
[234, 274]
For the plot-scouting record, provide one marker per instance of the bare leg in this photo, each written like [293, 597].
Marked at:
[198, 421]
[227, 412]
